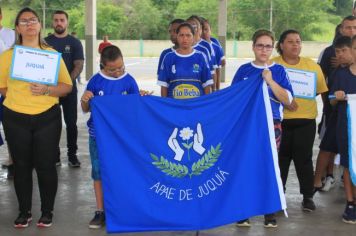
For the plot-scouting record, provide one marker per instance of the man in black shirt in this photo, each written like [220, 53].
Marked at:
[73, 56]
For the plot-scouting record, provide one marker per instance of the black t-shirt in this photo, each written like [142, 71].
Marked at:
[343, 80]
[70, 47]
[325, 61]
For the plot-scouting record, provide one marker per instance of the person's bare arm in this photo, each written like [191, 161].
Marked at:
[60, 90]
[164, 91]
[78, 68]
[3, 91]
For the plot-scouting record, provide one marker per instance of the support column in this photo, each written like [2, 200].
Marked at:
[90, 38]
[222, 25]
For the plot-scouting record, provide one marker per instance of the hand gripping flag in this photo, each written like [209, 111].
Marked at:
[192, 164]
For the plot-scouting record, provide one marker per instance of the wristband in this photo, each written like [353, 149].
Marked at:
[47, 92]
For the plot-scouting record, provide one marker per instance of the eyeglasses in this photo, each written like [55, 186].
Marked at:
[268, 47]
[31, 21]
[111, 71]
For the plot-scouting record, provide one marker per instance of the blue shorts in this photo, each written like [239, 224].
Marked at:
[95, 165]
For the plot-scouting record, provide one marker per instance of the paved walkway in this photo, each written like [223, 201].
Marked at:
[75, 202]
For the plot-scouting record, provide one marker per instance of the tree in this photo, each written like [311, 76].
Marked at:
[205, 8]
[166, 9]
[343, 7]
[111, 21]
[143, 20]
[306, 17]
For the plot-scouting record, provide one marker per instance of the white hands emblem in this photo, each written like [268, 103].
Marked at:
[174, 145]
[186, 134]
[198, 140]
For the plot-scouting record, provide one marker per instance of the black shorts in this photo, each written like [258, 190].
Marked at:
[343, 145]
[329, 142]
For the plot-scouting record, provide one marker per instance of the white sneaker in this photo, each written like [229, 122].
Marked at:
[329, 183]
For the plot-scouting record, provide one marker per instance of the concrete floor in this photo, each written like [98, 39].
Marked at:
[75, 202]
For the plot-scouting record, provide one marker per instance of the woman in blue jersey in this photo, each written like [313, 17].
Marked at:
[185, 72]
[279, 89]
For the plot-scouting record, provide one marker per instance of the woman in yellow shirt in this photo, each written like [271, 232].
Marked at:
[299, 125]
[32, 124]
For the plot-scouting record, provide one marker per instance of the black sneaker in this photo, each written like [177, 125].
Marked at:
[73, 162]
[243, 223]
[45, 220]
[308, 205]
[270, 221]
[10, 171]
[23, 220]
[349, 215]
[98, 221]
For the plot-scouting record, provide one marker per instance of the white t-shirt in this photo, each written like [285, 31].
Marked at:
[7, 38]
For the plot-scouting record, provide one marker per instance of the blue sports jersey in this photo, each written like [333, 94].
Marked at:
[219, 54]
[252, 71]
[163, 54]
[101, 85]
[206, 53]
[214, 40]
[221, 50]
[185, 76]
[208, 46]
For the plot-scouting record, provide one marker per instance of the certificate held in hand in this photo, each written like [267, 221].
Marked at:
[35, 65]
[303, 83]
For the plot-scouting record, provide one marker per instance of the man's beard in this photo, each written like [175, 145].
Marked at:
[59, 30]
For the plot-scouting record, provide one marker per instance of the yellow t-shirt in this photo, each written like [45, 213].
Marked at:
[18, 96]
[307, 108]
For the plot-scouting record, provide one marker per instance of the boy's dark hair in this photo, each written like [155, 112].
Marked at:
[283, 37]
[343, 41]
[348, 18]
[110, 53]
[186, 24]
[61, 12]
[176, 21]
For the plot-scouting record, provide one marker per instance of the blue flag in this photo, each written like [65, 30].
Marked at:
[192, 164]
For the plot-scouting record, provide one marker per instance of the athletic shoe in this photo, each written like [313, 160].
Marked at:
[243, 223]
[23, 220]
[308, 205]
[329, 183]
[349, 215]
[270, 221]
[73, 162]
[98, 221]
[46, 220]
